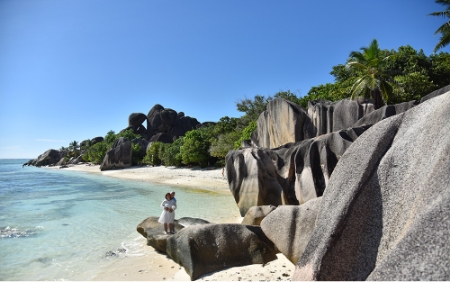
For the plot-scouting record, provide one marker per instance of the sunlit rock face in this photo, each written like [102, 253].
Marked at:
[119, 156]
[282, 122]
[385, 214]
[291, 174]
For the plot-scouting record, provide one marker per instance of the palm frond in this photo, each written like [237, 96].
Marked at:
[445, 14]
[445, 28]
[444, 2]
[386, 90]
[443, 41]
[360, 88]
[373, 50]
[356, 65]
[357, 56]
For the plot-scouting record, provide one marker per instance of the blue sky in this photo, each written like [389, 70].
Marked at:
[73, 70]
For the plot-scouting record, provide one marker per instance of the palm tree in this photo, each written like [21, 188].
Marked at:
[372, 83]
[64, 150]
[73, 147]
[444, 30]
[85, 146]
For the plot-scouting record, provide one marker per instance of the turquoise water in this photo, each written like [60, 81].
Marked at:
[67, 225]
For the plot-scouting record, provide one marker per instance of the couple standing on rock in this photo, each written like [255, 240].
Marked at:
[168, 215]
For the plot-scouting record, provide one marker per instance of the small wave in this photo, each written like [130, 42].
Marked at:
[115, 253]
[128, 248]
[19, 232]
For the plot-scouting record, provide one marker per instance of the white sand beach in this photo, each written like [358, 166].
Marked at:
[158, 267]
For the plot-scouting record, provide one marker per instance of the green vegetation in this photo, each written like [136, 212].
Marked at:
[73, 148]
[387, 76]
[384, 76]
[245, 135]
[196, 146]
[372, 81]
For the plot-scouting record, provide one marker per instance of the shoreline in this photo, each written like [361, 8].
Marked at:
[203, 179]
[159, 267]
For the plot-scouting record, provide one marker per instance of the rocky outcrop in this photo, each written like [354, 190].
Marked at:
[385, 112]
[163, 124]
[119, 156]
[436, 93]
[299, 171]
[385, 215]
[167, 121]
[282, 122]
[256, 214]
[182, 125]
[291, 227]
[76, 160]
[150, 226]
[329, 116]
[290, 174]
[136, 119]
[253, 178]
[153, 231]
[161, 137]
[189, 221]
[61, 162]
[49, 157]
[96, 140]
[202, 249]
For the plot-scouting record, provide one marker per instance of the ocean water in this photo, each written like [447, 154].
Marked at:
[67, 225]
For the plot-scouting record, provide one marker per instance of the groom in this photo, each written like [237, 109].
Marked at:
[174, 200]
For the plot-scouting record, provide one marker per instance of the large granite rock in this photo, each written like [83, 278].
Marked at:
[203, 249]
[386, 211]
[256, 214]
[153, 231]
[119, 156]
[167, 122]
[61, 162]
[76, 160]
[253, 178]
[436, 93]
[290, 174]
[49, 157]
[329, 116]
[385, 112]
[316, 159]
[96, 140]
[182, 125]
[161, 137]
[136, 119]
[291, 227]
[282, 122]
[160, 120]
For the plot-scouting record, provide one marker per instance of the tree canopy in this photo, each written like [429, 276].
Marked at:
[409, 72]
[372, 81]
